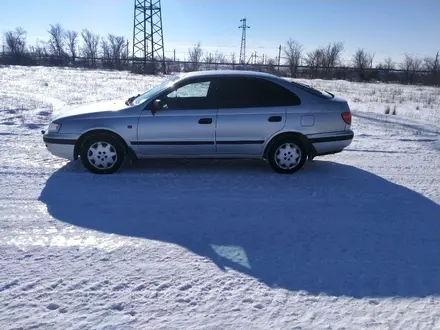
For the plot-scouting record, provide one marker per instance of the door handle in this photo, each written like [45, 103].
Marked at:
[273, 119]
[205, 121]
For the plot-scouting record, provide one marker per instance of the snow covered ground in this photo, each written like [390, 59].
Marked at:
[350, 242]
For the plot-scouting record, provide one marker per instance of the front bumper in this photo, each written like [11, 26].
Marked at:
[64, 148]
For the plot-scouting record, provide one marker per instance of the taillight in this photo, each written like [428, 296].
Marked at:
[346, 116]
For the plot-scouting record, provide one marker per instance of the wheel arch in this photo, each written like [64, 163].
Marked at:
[310, 149]
[91, 132]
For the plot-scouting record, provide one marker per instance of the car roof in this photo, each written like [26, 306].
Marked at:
[236, 73]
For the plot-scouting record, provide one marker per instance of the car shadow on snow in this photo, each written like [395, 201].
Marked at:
[331, 229]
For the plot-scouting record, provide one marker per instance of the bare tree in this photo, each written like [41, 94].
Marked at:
[213, 61]
[39, 51]
[314, 60]
[362, 60]
[293, 51]
[271, 65]
[389, 64]
[417, 65]
[405, 66]
[72, 43]
[323, 59]
[195, 55]
[113, 50]
[172, 65]
[106, 54]
[219, 58]
[433, 66]
[432, 63]
[233, 60]
[118, 49]
[56, 42]
[15, 44]
[90, 48]
[209, 60]
[410, 66]
[16, 41]
[332, 56]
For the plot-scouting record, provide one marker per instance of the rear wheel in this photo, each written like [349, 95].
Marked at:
[287, 155]
[102, 153]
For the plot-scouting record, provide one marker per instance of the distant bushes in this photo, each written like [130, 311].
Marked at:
[389, 111]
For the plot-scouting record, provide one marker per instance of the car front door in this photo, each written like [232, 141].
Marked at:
[183, 125]
[250, 111]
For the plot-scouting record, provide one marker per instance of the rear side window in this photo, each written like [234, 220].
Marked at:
[253, 93]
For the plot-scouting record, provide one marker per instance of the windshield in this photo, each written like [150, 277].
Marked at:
[157, 88]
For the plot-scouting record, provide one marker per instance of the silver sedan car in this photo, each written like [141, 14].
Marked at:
[207, 114]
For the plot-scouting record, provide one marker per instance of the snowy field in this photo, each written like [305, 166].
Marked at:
[350, 242]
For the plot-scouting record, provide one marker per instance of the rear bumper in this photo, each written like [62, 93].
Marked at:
[63, 148]
[325, 144]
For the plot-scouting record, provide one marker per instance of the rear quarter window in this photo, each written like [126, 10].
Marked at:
[312, 90]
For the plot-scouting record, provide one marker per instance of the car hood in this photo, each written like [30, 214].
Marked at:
[88, 108]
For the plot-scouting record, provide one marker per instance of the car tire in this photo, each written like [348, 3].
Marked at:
[102, 153]
[287, 155]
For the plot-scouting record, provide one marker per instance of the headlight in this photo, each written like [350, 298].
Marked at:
[53, 128]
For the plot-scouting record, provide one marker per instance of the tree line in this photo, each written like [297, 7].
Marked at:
[87, 49]
[323, 61]
[65, 47]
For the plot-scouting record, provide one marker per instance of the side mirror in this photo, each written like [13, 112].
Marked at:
[157, 104]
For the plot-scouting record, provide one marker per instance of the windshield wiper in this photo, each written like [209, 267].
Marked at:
[131, 99]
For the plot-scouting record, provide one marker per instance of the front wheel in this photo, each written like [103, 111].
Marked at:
[102, 154]
[287, 155]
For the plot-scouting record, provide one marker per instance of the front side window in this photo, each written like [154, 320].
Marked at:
[155, 89]
[197, 89]
[193, 95]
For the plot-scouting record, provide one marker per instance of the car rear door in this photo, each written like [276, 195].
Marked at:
[250, 111]
[186, 123]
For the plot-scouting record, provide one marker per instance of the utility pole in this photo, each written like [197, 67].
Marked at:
[249, 61]
[279, 59]
[174, 55]
[243, 41]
